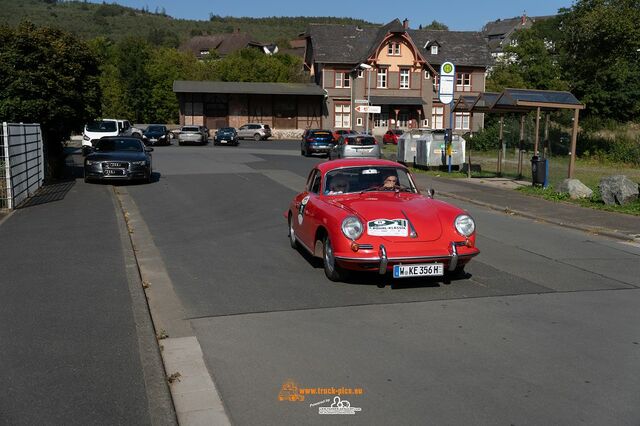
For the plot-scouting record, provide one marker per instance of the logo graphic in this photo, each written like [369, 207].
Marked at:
[339, 406]
[388, 228]
[447, 67]
[289, 392]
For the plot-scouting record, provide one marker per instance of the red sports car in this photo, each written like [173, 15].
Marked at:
[368, 215]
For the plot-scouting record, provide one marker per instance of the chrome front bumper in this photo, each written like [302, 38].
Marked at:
[383, 259]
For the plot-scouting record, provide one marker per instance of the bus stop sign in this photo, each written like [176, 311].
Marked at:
[447, 80]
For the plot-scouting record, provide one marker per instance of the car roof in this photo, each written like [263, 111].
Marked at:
[356, 162]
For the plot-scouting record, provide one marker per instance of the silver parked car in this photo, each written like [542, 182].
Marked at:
[192, 135]
[356, 146]
[254, 131]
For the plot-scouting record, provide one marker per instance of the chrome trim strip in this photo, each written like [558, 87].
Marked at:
[383, 260]
[454, 257]
[305, 247]
[413, 233]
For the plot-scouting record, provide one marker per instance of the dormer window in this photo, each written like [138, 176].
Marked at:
[393, 49]
[434, 49]
[204, 52]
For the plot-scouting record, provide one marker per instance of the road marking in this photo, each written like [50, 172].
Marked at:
[195, 397]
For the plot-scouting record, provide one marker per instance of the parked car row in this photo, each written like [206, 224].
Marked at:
[339, 144]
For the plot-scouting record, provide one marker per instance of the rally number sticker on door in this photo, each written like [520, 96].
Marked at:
[303, 205]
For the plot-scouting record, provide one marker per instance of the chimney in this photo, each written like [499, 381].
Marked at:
[405, 24]
[523, 20]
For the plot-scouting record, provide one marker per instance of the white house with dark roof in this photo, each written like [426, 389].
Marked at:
[396, 68]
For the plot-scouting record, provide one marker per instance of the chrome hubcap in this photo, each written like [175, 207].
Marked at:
[328, 256]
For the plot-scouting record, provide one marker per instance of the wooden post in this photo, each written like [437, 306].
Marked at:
[546, 144]
[469, 156]
[574, 139]
[521, 146]
[499, 170]
[537, 138]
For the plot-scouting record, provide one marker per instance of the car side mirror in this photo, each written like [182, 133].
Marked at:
[149, 149]
[431, 192]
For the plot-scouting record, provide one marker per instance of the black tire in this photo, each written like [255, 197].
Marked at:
[292, 235]
[181, 143]
[257, 137]
[331, 269]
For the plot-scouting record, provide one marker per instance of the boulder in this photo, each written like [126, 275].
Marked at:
[575, 189]
[618, 189]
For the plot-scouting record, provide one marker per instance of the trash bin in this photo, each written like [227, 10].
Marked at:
[539, 170]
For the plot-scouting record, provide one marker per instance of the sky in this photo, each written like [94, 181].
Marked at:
[461, 15]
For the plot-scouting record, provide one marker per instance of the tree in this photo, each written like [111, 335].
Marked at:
[435, 25]
[600, 40]
[253, 65]
[50, 77]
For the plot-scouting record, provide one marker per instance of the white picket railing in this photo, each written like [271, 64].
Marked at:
[21, 163]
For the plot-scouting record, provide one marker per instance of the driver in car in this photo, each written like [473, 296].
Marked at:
[338, 185]
[390, 183]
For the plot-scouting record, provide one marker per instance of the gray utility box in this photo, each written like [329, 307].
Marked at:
[407, 145]
[431, 152]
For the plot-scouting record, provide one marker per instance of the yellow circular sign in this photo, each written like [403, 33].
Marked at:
[447, 68]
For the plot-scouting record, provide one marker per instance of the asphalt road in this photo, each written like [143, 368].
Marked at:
[543, 330]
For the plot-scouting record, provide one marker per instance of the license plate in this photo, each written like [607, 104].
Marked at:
[153, 140]
[115, 172]
[418, 270]
[223, 141]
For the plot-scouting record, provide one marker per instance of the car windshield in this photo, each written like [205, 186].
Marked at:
[102, 126]
[155, 129]
[191, 129]
[128, 145]
[361, 140]
[367, 178]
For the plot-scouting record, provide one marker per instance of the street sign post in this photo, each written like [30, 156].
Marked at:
[369, 109]
[445, 94]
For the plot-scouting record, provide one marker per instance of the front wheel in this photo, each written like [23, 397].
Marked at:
[257, 137]
[331, 269]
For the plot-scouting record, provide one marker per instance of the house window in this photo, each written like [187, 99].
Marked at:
[437, 116]
[359, 121]
[463, 82]
[425, 122]
[463, 120]
[342, 118]
[427, 75]
[360, 73]
[403, 119]
[434, 49]
[404, 78]
[393, 49]
[382, 78]
[342, 79]
[436, 83]
[204, 52]
[382, 119]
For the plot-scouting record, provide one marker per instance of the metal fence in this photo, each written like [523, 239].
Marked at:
[21, 163]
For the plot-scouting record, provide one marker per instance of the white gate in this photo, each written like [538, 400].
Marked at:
[21, 163]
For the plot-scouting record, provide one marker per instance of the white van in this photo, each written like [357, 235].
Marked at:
[98, 129]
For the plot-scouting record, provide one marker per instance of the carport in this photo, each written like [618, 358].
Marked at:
[523, 101]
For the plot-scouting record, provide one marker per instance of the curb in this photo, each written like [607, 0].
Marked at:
[592, 230]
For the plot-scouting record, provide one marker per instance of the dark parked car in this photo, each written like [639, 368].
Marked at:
[118, 158]
[392, 136]
[317, 141]
[156, 134]
[226, 136]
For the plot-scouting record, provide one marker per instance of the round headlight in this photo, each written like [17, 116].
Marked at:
[352, 227]
[465, 225]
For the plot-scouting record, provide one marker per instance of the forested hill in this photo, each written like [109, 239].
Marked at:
[91, 20]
